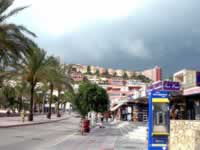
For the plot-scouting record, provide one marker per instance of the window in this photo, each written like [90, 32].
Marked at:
[160, 117]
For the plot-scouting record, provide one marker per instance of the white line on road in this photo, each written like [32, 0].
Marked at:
[55, 142]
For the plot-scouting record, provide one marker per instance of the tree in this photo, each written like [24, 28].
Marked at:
[21, 90]
[13, 42]
[134, 76]
[33, 69]
[68, 96]
[115, 74]
[97, 73]
[63, 82]
[8, 95]
[40, 95]
[88, 69]
[143, 78]
[125, 76]
[170, 78]
[51, 78]
[91, 97]
[106, 74]
[59, 79]
[38, 100]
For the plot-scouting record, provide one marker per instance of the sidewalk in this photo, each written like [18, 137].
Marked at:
[115, 136]
[6, 122]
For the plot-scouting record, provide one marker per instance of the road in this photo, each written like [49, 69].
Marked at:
[64, 135]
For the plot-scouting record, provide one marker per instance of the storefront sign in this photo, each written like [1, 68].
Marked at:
[155, 86]
[171, 86]
[165, 86]
[198, 78]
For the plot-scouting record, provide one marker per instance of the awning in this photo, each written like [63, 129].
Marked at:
[191, 91]
[116, 107]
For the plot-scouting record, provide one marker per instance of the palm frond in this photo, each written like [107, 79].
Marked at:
[13, 12]
[4, 5]
[23, 28]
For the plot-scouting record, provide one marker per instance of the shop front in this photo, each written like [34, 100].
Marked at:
[126, 112]
[133, 111]
[192, 98]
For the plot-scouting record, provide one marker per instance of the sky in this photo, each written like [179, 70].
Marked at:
[126, 34]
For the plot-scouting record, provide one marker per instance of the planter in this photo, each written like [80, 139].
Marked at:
[49, 115]
[59, 115]
[85, 125]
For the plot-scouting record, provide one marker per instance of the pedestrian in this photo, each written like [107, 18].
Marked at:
[176, 113]
[172, 113]
[8, 113]
[22, 115]
[82, 126]
[96, 118]
[111, 117]
[102, 118]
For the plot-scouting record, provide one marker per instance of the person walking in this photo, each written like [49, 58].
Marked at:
[101, 121]
[22, 114]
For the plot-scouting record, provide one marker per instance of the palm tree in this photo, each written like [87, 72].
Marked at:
[8, 94]
[88, 69]
[59, 79]
[143, 78]
[68, 96]
[38, 101]
[33, 69]
[125, 76]
[62, 83]
[50, 79]
[13, 42]
[40, 94]
[21, 91]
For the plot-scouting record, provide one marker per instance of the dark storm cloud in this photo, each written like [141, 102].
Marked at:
[164, 33]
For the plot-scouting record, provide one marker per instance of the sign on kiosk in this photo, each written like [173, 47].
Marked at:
[159, 120]
[165, 86]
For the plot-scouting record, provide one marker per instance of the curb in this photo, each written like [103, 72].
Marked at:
[33, 123]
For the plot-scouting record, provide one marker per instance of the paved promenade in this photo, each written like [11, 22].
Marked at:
[115, 136]
[38, 119]
[65, 135]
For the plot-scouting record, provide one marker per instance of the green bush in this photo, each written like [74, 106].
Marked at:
[91, 97]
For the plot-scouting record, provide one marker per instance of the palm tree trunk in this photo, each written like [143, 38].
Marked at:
[40, 107]
[43, 105]
[64, 106]
[20, 103]
[50, 101]
[30, 117]
[35, 106]
[58, 111]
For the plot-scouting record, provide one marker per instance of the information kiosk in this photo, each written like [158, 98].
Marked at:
[159, 120]
[159, 113]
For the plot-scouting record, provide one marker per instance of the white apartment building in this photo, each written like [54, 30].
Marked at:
[119, 72]
[111, 71]
[186, 77]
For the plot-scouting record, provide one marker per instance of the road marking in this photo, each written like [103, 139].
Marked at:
[55, 142]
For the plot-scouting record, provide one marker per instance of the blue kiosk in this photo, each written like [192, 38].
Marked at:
[159, 114]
